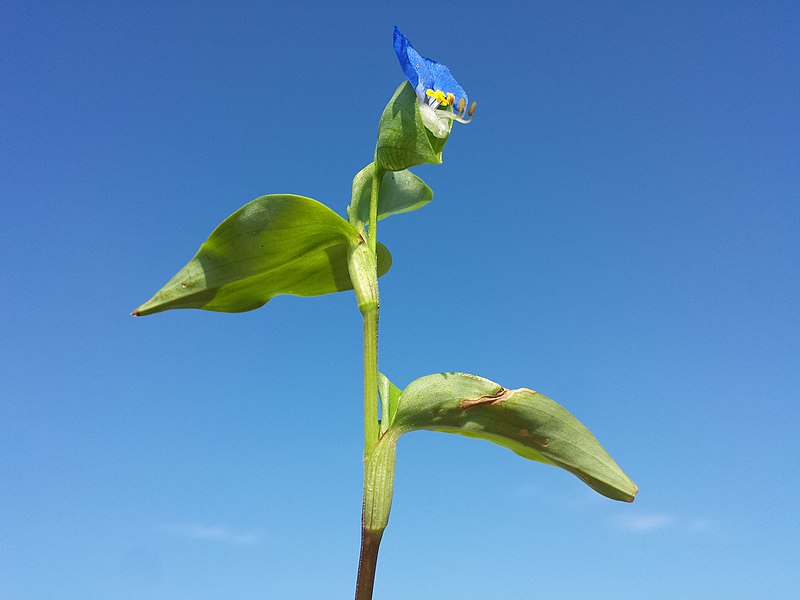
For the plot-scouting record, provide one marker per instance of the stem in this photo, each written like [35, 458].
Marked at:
[370, 538]
[370, 542]
[377, 176]
[371, 425]
[378, 489]
[371, 316]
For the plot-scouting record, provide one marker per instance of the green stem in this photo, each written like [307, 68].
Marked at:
[371, 425]
[377, 176]
[370, 537]
[371, 314]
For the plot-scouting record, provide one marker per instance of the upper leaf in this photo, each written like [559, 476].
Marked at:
[403, 139]
[277, 244]
[522, 420]
[400, 191]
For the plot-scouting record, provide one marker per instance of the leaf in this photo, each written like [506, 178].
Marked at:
[400, 191]
[522, 420]
[277, 244]
[390, 396]
[403, 139]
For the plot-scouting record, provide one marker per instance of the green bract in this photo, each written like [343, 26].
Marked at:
[403, 139]
[277, 244]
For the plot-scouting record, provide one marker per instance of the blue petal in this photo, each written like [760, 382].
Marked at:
[444, 81]
[424, 73]
[413, 65]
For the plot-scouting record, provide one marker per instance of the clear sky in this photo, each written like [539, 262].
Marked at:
[616, 229]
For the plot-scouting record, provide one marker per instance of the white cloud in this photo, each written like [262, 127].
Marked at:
[651, 522]
[217, 533]
[646, 523]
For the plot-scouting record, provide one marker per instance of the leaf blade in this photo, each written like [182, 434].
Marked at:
[276, 244]
[522, 420]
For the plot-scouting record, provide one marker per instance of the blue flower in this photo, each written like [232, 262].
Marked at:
[441, 99]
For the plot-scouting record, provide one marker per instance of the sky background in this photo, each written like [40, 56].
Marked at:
[617, 229]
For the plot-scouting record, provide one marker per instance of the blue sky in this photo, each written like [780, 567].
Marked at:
[616, 229]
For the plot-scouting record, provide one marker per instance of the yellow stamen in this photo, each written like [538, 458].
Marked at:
[440, 96]
[462, 105]
[472, 108]
[451, 99]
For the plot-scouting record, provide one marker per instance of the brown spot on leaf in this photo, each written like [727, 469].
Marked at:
[500, 396]
[542, 442]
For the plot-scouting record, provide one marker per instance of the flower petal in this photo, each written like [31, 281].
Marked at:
[424, 73]
[443, 80]
[413, 65]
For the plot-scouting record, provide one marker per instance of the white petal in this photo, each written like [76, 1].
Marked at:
[435, 121]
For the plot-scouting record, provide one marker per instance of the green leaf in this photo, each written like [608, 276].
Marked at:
[522, 420]
[403, 139]
[390, 396]
[400, 191]
[277, 244]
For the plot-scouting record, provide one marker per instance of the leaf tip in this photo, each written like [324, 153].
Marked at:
[136, 312]
[633, 494]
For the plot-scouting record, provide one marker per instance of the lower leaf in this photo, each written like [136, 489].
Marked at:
[522, 420]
